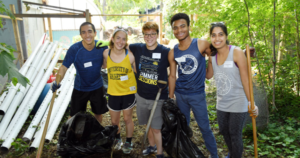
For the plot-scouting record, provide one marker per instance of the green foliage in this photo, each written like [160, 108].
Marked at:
[281, 138]
[6, 56]
[20, 147]
[4, 10]
[235, 16]
[8, 67]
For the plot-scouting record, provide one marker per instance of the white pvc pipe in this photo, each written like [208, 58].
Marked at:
[13, 89]
[59, 100]
[21, 116]
[42, 109]
[3, 97]
[20, 95]
[52, 129]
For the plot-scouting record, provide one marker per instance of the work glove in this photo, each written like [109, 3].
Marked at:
[55, 86]
[101, 43]
[253, 112]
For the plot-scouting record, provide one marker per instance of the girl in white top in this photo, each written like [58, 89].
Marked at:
[229, 66]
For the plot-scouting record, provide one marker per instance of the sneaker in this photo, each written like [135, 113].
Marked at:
[160, 156]
[150, 149]
[127, 147]
[118, 143]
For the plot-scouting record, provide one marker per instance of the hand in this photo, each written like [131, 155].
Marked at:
[55, 86]
[253, 112]
[101, 43]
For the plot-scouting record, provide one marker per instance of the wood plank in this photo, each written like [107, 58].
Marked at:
[51, 6]
[17, 34]
[8, 17]
[87, 15]
[160, 28]
[50, 29]
[50, 15]
[125, 14]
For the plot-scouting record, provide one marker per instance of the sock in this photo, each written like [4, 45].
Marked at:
[118, 136]
[129, 140]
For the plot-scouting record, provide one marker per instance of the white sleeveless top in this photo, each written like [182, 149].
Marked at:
[231, 96]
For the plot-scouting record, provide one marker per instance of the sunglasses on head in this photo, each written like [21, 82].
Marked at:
[214, 23]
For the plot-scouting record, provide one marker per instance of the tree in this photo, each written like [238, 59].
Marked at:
[7, 65]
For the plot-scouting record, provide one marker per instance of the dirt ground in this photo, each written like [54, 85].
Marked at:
[49, 150]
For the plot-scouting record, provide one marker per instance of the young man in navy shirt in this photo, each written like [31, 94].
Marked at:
[87, 60]
[189, 88]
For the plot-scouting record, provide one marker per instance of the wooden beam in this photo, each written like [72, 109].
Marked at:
[8, 17]
[50, 29]
[44, 24]
[52, 6]
[160, 28]
[16, 33]
[49, 15]
[87, 15]
[126, 15]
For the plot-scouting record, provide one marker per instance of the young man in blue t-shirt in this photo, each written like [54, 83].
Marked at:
[189, 88]
[151, 61]
[88, 85]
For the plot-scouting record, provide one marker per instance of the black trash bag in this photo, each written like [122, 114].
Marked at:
[82, 135]
[176, 133]
[171, 113]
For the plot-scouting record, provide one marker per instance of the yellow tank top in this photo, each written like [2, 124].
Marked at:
[121, 78]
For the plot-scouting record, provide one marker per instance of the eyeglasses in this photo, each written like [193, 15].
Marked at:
[150, 35]
[215, 23]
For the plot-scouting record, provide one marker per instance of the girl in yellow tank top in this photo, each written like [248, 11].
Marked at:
[122, 86]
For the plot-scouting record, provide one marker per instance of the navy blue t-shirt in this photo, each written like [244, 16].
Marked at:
[151, 66]
[88, 65]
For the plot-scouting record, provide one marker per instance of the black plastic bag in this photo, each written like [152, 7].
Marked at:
[82, 135]
[176, 133]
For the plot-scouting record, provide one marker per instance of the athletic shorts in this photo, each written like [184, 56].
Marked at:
[119, 103]
[96, 97]
[143, 110]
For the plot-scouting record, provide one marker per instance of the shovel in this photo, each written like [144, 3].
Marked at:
[152, 112]
[252, 100]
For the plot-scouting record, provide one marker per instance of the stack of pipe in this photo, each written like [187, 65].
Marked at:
[38, 74]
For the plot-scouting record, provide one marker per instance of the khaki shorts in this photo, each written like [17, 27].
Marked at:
[143, 110]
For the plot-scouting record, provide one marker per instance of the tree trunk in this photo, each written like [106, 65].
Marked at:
[257, 61]
[274, 56]
[298, 51]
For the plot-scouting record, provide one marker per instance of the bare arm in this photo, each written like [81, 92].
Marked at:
[132, 61]
[240, 59]
[209, 70]
[172, 76]
[105, 54]
[203, 47]
[61, 71]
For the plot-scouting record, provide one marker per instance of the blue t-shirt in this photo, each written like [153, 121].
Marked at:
[88, 65]
[191, 69]
[151, 66]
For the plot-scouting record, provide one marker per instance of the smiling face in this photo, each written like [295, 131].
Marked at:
[87, 34]
[119, 40]
[218, 38]
[180, 29]
[150, 37]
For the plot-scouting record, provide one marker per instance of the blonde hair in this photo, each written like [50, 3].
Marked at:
[149, 26]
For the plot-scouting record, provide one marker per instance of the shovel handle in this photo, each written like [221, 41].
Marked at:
[40, 149]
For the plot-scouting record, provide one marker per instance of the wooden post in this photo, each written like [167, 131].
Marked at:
[17, 34]
[44, 25]
[192, 21]
[160, 27]
[90, 18]
[50, 29]
[87, 15]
